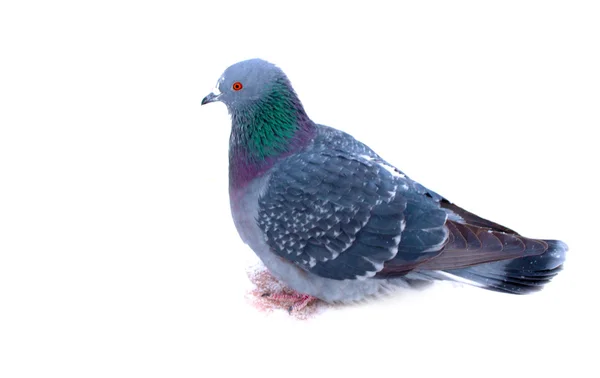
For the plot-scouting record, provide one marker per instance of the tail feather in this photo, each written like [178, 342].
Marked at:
[521, 275]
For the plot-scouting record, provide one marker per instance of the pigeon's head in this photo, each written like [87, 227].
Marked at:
[267, 118]
[245, 83]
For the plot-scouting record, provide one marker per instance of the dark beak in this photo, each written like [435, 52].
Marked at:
[210, 98]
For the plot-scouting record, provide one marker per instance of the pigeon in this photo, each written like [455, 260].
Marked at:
[332, 220]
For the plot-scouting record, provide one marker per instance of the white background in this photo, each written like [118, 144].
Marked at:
[118, 256]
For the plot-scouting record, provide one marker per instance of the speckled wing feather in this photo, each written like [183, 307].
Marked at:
[342, 216]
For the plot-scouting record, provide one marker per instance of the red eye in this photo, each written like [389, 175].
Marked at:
[237, 86]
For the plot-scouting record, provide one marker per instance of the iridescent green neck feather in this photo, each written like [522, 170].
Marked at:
[266, 129]
[268, 126]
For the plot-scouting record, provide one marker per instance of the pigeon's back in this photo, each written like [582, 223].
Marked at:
[339, 211]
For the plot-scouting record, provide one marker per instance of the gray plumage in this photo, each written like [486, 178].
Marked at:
[332, 219]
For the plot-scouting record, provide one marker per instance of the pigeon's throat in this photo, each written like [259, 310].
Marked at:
[264, 133]
[268, 127]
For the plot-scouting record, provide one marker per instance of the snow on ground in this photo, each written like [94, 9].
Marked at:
[118, 256]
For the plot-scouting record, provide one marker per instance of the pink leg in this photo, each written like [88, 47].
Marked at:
[271, 294]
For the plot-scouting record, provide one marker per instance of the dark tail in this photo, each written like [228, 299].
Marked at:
[522, 275]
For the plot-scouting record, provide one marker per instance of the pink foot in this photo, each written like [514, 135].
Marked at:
[293, 300]
[269, 294]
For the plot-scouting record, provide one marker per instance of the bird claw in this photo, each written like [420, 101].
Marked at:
[271, 294]
[298, 301]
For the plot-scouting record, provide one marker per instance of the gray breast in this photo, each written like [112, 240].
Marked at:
[245, 212]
